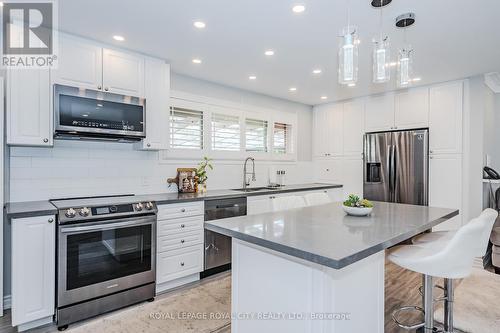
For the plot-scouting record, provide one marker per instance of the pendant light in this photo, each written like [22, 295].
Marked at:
[405, 54]
[348, 53]
[381, 52]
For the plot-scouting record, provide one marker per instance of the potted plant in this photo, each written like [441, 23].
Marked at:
[356, 206]
[201, 173]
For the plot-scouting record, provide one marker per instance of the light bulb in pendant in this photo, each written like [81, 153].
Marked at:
[348, 56]
[381, 60]
[405, 70]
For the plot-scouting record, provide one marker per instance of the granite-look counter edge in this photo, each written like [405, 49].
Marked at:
[326, 236]
[38, 208]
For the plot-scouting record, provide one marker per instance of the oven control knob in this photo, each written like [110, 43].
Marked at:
[70, 213]
[149, 205]
[84, 211]
[138, 206]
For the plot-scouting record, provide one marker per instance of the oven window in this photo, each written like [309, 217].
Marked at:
[85, 112]
[100, 256]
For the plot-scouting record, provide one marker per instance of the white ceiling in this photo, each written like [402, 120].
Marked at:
[451, 38]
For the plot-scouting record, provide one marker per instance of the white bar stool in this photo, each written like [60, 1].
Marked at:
[288, 202]
[316, 199]
[449, 259]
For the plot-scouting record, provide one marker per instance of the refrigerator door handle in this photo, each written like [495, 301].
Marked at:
[392, 168]
[389, 171]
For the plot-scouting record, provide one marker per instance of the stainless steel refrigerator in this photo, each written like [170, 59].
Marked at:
[396, 166]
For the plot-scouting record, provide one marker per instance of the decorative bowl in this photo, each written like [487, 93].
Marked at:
[357, 211]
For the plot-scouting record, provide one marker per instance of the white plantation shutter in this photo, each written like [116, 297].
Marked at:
[281, 138]
[186, 128]
[256, 135]
[225, 132]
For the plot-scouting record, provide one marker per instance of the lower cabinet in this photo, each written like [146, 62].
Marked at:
[33, 270]
[445, 186]
[180, 234]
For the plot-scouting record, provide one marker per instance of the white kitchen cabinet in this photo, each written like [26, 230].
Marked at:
[123, 73]
[79, 64]
[259, 204]
[176, 264]
[379, 113]
[157, 74]
[412, 108]
[33, 270]
[445, 118]
[353, 127]
[29, 116]
[329, 170]
[445, 186]
[328, 130]
[352, 175]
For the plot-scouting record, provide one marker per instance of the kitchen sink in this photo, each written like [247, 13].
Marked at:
[254, 189]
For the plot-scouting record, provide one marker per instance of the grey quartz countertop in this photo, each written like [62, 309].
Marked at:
[37, 208]
[29, 209]
[326, 235]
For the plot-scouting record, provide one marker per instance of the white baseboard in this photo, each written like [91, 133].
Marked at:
[7, 302]
[164, 287]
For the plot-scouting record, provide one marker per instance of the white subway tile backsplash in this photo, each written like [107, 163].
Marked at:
[74, 168]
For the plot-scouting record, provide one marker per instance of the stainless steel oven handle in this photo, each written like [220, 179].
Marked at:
[108, 226]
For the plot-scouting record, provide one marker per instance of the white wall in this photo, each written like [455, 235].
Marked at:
[73, 168]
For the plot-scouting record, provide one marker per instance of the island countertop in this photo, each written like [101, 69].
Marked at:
[327, 236]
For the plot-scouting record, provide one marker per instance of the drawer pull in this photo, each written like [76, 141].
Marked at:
[182, 264]
[182, 225]
[183, 210]
[182, 241]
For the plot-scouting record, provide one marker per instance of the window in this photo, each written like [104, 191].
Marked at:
[186, 129]
[256, 135]
[281, 138]
[225, 132]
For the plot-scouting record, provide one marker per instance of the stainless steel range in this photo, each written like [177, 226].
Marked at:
[106, 255]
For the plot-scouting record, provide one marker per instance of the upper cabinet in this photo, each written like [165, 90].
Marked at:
[328, 130]
[412, 108]
[28, 116]
[379, 113]
[80, 64]
[88, 65]
[123, 73]
[445, 118]
[353, 116]
[157, 105]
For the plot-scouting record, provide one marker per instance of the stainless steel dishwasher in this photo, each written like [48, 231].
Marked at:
[217, 246]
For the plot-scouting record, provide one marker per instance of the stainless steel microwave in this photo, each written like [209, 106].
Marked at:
[90, 114]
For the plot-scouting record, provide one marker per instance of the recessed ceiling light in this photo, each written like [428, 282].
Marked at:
[293, 89]
[118, 38]
[196, 61]
[252, 77]
[298, 8]
[269, 53]
[351, 85]
[317, 71]
[392, 64]
[416, 79]
[324, 97]
[199, 24]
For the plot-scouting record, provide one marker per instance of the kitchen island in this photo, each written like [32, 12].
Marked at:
[315, 269]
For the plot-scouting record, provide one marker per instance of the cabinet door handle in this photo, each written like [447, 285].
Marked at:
[106, 89]
[51, 220]
[45, 140]
[182, 264]
[149, 145]
[430, 151]
[431, 157]
[99, 87]
[272, 197]
[182, 225]
[183, 210]
[182, 241]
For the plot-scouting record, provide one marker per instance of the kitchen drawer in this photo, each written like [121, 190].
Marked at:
[173, 211]
[179, 241]
[180, 225]
[175, 264]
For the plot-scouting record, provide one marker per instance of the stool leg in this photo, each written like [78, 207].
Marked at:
[428, 304]
[448, 306]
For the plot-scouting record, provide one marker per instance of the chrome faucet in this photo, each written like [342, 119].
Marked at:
[246, 180]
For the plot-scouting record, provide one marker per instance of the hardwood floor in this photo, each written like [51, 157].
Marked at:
[401, 288]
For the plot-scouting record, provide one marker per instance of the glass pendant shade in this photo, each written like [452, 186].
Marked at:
[405, 70]
[348, 56]
[381, 60]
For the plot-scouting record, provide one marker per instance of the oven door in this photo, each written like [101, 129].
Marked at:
[100, 258]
